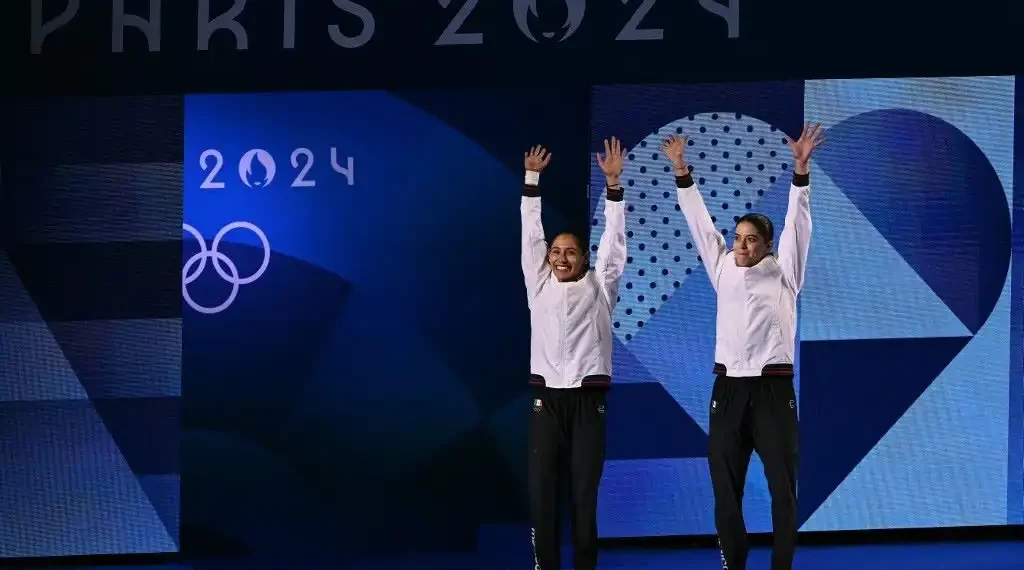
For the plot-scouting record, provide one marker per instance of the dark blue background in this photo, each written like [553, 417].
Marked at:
[276, 452]
[371, 385]
[90, 325]
[1015, 470]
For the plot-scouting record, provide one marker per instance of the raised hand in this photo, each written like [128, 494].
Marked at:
[674, 148]
[611, 163]
[811, 137]
[537, 159]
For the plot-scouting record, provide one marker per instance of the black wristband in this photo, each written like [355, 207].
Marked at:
[614, 194]
[801, 179]
[684, 181]
[531, 191]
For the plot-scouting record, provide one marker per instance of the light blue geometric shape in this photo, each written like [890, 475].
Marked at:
[981, 107]
[67, 489]
[678, 346]
[944, 462]
[858, 286]
[164, 492]
[33, 367]
[125, 358]
[16, 306]
[757, 502]
[652, 219]
[627, 369]
[672, 496]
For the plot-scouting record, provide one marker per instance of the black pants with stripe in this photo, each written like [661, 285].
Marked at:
[567, 436]
[754, 414]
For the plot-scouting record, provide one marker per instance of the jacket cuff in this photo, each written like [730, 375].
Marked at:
[801, 179]
[684, 181]
[614, 194]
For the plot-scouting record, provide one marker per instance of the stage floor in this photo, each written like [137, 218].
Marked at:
[973, 556]
[934, 556]
[1003, 555]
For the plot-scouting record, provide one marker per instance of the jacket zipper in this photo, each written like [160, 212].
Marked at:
[563, 333]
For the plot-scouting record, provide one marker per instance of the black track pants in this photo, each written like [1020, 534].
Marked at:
[567, 426]
[754, 414]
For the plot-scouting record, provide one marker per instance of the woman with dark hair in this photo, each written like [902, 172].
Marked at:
[570, 359]
[753, 403]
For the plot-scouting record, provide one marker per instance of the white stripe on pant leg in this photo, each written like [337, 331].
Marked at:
[533, 542]
[725, 565]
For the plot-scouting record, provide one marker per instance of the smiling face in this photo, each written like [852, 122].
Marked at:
[567, 258]
[749, 244]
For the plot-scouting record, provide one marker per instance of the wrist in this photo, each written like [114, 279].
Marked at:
[532, 178]
[801, 167]
[681, 169]
[612, 181]
[613, 191]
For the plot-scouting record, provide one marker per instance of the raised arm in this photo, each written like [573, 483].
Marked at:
[536, 270]
[611, 252]
[795, 240]
[709, 241]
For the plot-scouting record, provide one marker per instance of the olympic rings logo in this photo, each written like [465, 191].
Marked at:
[225, 268]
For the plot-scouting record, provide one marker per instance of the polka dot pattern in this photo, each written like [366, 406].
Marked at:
[735, 159]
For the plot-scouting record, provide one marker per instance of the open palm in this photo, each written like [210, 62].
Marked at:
[674, 149]
[811, 137]
[614, 158]
[537, 159]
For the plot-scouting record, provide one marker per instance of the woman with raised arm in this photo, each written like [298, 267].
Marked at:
[570, 359]
[753, 403]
